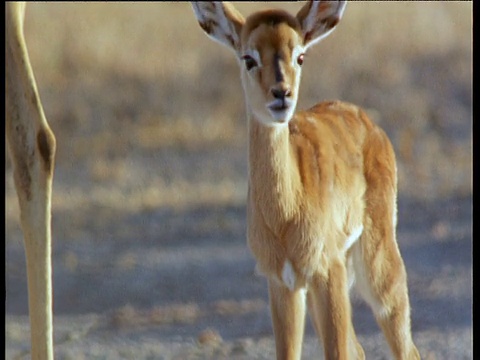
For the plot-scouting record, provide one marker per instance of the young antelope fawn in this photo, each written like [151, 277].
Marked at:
[322, 188]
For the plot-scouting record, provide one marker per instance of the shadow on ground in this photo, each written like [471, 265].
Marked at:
[185, 270]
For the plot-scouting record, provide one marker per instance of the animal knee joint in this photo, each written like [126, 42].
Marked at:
[46, 146]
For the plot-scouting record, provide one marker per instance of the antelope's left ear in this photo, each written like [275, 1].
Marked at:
[221, 21]
[318, 19]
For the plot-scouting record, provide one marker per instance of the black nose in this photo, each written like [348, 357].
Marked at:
[281, 93]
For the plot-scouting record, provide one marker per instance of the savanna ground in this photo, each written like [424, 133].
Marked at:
[149, 254]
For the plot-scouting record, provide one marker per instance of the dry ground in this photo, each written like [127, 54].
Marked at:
[149, 251]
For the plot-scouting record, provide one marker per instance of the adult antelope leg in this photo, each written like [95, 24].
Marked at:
[32, 150]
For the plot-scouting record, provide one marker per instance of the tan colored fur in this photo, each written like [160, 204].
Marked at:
[32, 150]
[317, 179]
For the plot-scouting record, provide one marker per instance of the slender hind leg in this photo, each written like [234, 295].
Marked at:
[384, 287]
[380, 273]
[32, 149]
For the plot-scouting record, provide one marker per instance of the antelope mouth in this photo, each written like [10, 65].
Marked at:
[279, 105]
[280, 110]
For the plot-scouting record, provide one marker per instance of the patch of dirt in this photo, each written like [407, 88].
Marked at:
[193, 294]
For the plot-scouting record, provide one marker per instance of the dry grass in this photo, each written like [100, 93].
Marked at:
[128, 81]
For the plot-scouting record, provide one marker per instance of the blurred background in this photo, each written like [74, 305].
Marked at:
[150, 180]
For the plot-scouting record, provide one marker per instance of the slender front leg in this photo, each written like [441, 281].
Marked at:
[331, 312]
[288, 318]
[32, 150]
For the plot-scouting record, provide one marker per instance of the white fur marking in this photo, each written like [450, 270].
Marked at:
[394, 217]
[288, 275]
[303, 293]
[354, 235]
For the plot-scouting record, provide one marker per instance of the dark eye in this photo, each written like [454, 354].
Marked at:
[300, 59]
[249, 62]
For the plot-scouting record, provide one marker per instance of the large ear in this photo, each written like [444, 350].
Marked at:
[221, 21]
[318, 19]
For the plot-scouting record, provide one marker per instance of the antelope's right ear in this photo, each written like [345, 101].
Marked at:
[221, 21]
